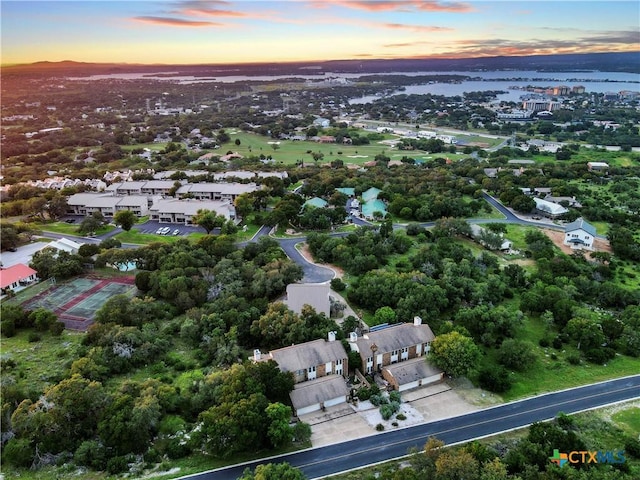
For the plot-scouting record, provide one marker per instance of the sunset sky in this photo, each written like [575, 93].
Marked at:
[187, 32]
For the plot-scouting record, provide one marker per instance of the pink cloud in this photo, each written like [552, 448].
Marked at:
[175, 22]
[399, 5]
[416, 28]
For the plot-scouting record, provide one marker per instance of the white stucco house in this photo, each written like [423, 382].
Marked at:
[579, 234]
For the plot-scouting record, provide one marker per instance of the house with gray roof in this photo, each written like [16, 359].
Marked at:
[316, 295]
[579, 234]
[170, 210]
[318, 368]
[396, 344]
[216, 191]
[549, 209]
[106, 203]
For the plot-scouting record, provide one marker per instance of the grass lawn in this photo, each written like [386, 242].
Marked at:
[28, 293]
[629, 420]
[155, 147]
[133, 236]
[69, 228]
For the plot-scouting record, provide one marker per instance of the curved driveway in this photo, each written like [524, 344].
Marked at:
[332, 459]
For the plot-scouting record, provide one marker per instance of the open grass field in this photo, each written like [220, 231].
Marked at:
[50, 357]
[289, 152]
[69, 228]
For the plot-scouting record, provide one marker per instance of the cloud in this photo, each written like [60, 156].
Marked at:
[602, 41]
[416, 28]
[206, 8]
[175, 22]
[400, 5]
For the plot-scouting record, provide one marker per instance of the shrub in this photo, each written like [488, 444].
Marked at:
[557, 343]
[8, 328]
[395, 424]
[516, 354]
[91, 454]
[632, 447]
[573, 359]
[388, 409]
[33, 337]
[301, 432]
[494, 379]
[152, 456]
[379, 427]
[600, 355]
[18, 452]
[176, 449]
[110, 243]
[338, 285]
[116, 465]
[395, 396]
[544, 342]
[375, 400]
[401, 416]
[56, 328]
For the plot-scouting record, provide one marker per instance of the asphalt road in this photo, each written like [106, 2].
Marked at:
[332, 459]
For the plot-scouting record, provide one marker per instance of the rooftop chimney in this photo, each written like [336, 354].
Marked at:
[256, 355]
[332, 336]
[417, 320]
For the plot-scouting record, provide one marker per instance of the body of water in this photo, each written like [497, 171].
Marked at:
[593, 81]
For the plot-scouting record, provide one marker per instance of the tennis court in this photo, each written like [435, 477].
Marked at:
[76, 301]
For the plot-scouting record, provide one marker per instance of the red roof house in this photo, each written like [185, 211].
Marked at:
[15, 276]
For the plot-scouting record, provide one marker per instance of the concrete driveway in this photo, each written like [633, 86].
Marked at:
[426, 404]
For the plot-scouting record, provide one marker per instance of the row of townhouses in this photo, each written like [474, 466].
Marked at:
[320, 367]
[151, 198]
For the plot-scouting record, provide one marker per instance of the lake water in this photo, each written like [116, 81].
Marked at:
[593, 81]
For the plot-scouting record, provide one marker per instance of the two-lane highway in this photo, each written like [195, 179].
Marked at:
[332, 459]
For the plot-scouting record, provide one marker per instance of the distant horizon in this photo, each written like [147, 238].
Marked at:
[213, 32]
[303, 62]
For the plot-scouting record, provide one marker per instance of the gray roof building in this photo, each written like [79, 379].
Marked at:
[315, 295]
[311, 396]
[308, 354]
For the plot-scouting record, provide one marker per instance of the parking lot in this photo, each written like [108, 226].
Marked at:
[153, 227]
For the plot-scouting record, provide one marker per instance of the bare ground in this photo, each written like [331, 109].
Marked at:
[600, 245]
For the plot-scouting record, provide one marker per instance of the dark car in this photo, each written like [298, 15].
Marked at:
[70, 220]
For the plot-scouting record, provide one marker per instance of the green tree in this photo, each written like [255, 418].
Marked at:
[384, 315]
[125, 218]
[208, 220]
[516, 354]
[455, 353]
[89, 225]
[456, 465]
[57, 206]
[279, 432]
[64, 416]
[244, 205]
[273, 471]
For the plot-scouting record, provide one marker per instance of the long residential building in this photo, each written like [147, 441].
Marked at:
[150, 197]
[168, 210]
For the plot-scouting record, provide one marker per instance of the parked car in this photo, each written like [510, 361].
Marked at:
[176, 232]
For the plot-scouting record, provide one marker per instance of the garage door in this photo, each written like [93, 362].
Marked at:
[408, 386]
[335, 401]
[311, 408]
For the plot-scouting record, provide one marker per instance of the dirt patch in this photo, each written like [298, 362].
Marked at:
[599, 244]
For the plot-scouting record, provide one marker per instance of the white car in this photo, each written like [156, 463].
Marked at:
[176, 232]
